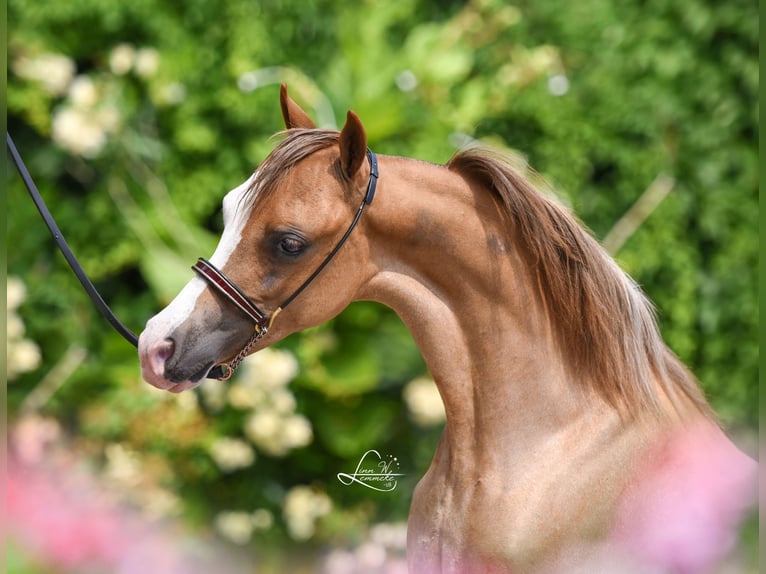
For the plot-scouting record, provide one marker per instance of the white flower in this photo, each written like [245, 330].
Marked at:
[54, 71]
[232, 454]
[273, 426]
[14, 327]
[263, 424]
[122, 58]
[275, 434]
[78, 132]
[83, 92]
[558, 84]
[235, 526]
[302, 507]
[83, 131]
[23, 356]
[245, 396]
[147, 62]
[262, 519]
[296, 432]
[406, 81]
[423, 402]
[282, 400]
[264, 429]
[16, 292]
[270, 368]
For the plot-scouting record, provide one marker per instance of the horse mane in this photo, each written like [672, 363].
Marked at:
[603, 323]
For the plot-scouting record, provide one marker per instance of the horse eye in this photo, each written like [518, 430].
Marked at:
[291, 245]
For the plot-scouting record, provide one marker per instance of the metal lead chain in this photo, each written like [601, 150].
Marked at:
[231, 366]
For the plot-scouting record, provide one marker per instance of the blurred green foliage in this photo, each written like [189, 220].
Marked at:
[169, 105]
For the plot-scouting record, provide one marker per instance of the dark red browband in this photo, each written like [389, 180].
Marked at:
[227, 288]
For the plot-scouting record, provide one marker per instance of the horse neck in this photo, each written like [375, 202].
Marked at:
[445, 262]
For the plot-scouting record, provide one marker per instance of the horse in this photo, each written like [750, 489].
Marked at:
[575, 440]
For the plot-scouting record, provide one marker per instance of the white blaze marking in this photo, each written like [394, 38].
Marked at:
[235, 217]
[179, 309]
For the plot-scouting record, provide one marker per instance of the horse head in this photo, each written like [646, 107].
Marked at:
[281, 226]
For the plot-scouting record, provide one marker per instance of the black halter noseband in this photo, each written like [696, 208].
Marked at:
[262, 321]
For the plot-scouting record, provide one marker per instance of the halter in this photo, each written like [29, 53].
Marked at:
[262, 321]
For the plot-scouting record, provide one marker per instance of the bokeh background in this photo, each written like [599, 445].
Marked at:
[135, 118]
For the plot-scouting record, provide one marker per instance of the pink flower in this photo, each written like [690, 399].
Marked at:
[684, 511]
[67, 521]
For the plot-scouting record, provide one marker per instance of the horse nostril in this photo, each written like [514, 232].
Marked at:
[160, 354]
[165, 350]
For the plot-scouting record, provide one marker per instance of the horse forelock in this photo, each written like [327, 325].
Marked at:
[604, 324]
[296, 145]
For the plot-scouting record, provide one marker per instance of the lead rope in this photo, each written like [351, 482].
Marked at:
[74, 264]
[63, 246]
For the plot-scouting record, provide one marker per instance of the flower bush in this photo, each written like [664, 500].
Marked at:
[62, 519]
[136, 118]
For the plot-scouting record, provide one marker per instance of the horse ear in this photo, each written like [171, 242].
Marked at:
[292, 113]
[353, 145]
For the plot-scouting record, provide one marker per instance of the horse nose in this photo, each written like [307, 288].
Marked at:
[159, 354]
